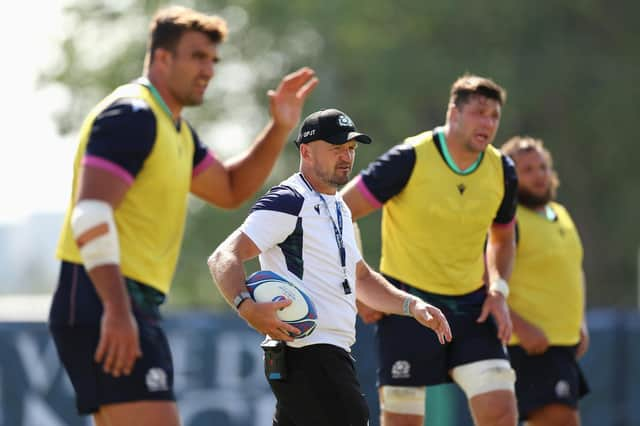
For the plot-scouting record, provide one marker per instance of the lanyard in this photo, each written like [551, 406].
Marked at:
[337, 232]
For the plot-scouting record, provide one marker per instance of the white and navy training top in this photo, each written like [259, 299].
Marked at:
[292, 228]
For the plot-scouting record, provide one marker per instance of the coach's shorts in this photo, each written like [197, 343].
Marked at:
[552, 377]
[321, 389]
[74, 322]
[410, 354]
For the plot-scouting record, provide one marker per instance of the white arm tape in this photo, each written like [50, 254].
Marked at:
[94, 230]
[501, 286]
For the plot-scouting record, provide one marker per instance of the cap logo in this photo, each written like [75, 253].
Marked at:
[344, 121]
[309, 133]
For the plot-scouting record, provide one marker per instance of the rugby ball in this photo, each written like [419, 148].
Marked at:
[267, 286]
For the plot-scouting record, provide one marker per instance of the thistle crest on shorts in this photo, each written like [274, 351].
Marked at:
[401, 369]
[563, 390]
[156, 380]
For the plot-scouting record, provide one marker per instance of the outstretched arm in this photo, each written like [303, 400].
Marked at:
[231, 183]
[378, 293]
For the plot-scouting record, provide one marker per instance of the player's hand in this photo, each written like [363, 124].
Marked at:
[262, 317]
[583, 345]
[286, 102]
[119, 344]
[432, 317]
[368, 314]
[495, 304]
[532, 339]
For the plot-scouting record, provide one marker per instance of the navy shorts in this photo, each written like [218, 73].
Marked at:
[410, 354]
[74, 323]
[552, 377]
[321, 389]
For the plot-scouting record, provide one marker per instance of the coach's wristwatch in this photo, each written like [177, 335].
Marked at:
[500, 285]
[237, 301]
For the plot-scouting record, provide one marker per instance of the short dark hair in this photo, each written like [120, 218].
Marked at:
[169, 24]
[468, 85]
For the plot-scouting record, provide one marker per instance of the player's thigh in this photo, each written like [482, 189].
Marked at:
[495, 408]
[76, 347]
[141, 413]
[402, 406]
[150, 380]
[152, 376]
[489, 387]
[99, 420]
[552, 378]
[395, 419]
[409, 354]
[554, 415]
[473, 341]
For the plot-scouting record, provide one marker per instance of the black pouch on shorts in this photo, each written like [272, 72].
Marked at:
[275, 367]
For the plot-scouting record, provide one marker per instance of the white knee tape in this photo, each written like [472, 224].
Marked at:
[484, 376]
[403, 400]
[94, 230]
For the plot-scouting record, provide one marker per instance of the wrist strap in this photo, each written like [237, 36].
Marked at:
[237, 301]
[406, 306]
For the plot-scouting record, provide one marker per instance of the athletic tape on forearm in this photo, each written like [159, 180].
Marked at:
[501, 286]
[94, 230]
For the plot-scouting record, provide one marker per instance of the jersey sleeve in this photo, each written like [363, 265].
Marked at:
[122, 137]
[202, 157]
[273, 217]
[388, 175]
[507, 211]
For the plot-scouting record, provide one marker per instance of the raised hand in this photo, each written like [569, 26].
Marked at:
[287, 100]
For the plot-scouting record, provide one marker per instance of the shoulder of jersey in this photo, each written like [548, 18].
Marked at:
[296, 183]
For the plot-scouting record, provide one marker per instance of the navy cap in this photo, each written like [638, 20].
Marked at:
[330, 125]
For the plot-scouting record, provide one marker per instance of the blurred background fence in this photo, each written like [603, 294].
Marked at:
[219, 378]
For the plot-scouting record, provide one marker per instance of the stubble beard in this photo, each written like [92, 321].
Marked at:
[339, 181]
[336, 180]
[193, 100]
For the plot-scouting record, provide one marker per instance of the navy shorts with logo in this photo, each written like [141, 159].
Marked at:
[553, 377]
[411, 355]
[74, 322]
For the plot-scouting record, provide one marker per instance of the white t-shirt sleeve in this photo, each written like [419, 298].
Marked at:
[268, 228]
[273, 217]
